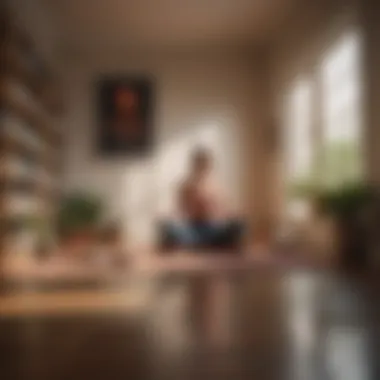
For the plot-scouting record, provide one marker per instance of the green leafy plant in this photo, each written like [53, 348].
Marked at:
[352, 207]
[346, 201]
[79, 211]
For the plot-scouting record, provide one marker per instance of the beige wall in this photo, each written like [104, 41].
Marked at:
[216, 98]
[307, 36]
[37, 22]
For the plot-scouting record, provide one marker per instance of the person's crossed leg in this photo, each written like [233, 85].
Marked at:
[206, 234]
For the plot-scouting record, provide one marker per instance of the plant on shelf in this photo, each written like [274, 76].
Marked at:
[347, 201]
[79, 215]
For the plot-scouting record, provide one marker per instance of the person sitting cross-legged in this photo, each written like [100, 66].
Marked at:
[204, 219]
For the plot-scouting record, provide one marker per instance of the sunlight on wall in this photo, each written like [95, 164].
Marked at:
[136, 201]
[170, 167]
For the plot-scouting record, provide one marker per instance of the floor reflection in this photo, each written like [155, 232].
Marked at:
[272, 325]
[346, 353]
[301, 302]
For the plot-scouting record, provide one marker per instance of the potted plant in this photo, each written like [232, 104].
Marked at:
[350, 207]
[79, 216]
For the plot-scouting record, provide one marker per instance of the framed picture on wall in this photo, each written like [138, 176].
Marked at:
[125, 107]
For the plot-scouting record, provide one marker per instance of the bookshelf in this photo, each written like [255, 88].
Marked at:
[30, 137]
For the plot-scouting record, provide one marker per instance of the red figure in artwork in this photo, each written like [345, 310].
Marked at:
[126, 122]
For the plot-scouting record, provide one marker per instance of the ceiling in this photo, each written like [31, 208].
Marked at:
[110, 24]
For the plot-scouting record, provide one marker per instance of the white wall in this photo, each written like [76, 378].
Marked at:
[213, 98]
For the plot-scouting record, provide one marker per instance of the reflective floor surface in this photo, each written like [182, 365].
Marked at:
[266, 325]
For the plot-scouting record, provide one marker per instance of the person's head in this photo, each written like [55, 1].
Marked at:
[201, 160]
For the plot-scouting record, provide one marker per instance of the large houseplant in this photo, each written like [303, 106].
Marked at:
[351, 207]
[79, 216]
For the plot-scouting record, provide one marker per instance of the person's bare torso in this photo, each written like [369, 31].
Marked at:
[199, 199]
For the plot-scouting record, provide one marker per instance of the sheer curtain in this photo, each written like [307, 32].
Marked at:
[341, 112]
[298, 141]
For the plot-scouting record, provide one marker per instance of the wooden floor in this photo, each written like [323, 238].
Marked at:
[264, 325]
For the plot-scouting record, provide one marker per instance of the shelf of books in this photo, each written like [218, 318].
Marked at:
[30, 139]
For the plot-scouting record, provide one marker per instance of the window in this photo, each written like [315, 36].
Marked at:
[341, 112]
[298, 139]
[323, 123]
[299, 133]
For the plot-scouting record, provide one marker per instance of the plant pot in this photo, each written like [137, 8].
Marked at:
[80, 238]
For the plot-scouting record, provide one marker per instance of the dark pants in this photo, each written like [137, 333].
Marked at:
[201, 234]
